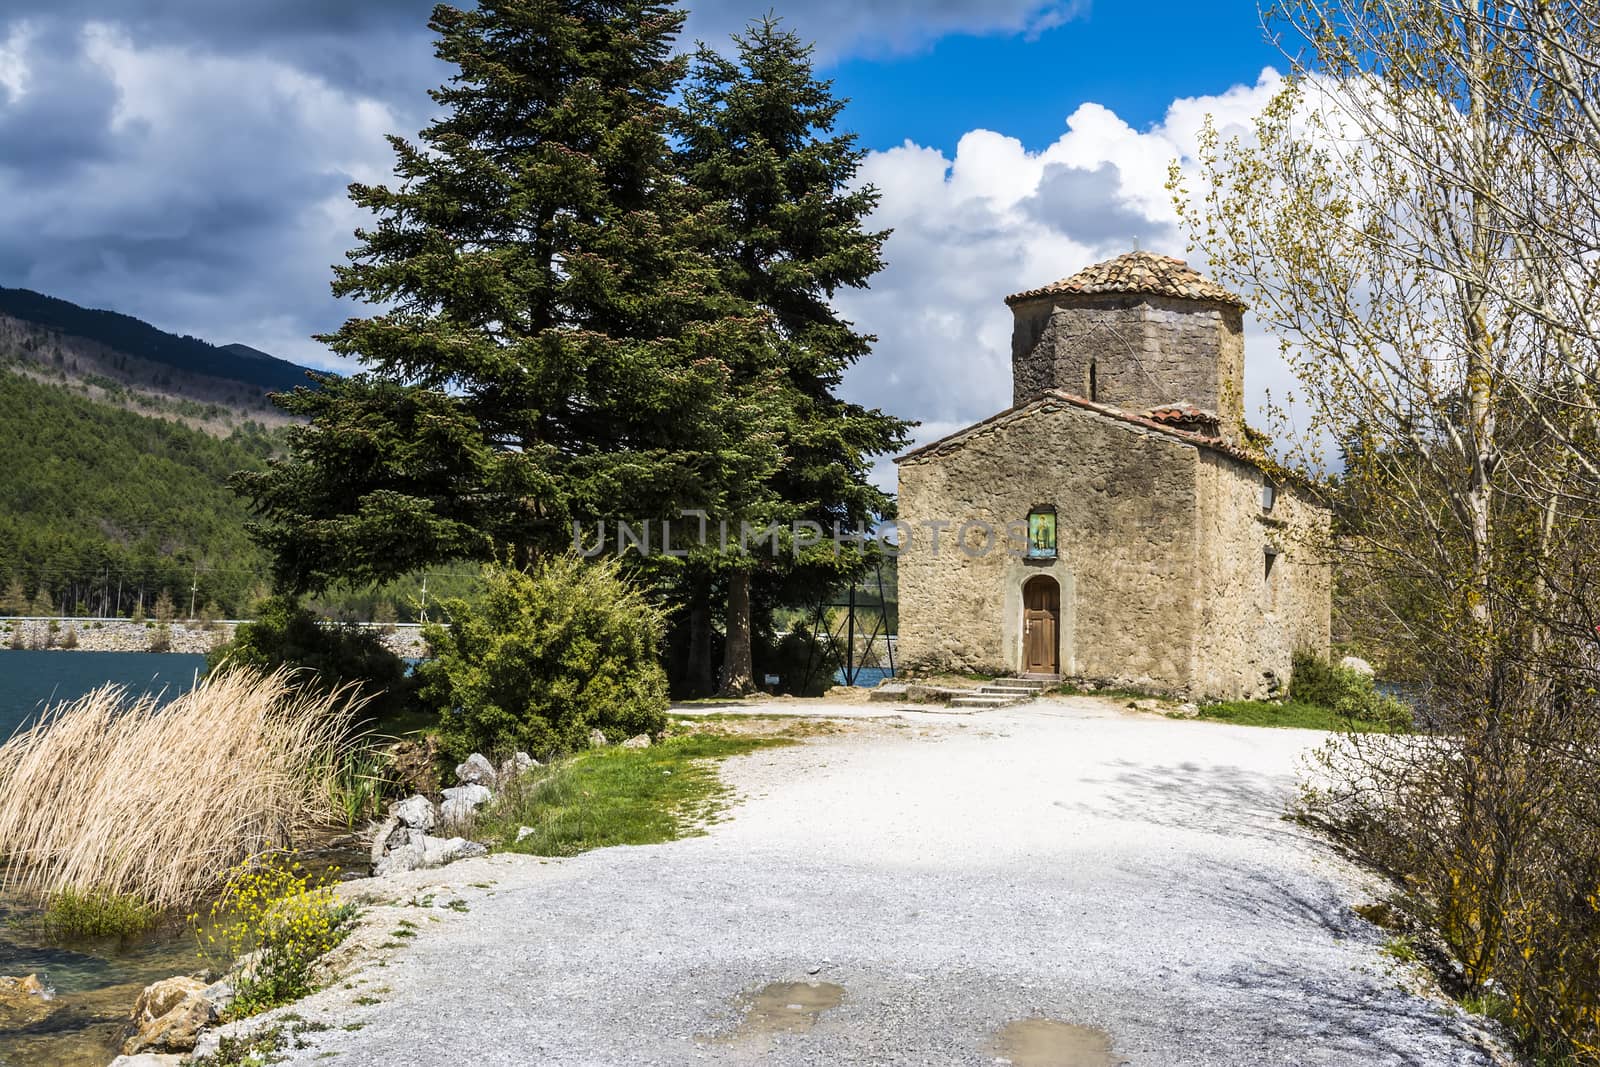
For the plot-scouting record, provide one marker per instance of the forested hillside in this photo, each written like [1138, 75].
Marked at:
[101, 508]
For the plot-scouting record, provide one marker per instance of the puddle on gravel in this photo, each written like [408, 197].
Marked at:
[1051, 1043]
[784, 1008]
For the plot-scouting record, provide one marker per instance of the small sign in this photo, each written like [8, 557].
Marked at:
[772, 679]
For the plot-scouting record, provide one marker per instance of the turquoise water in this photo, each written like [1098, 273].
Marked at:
[29, 680]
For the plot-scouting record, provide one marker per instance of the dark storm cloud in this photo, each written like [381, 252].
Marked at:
[47, 134]
[184, 160]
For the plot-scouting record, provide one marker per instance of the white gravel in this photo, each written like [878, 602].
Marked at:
[1062, 860]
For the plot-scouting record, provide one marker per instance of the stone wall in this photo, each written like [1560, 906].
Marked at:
[1145, 350]
[1251, 623]
[1125, 501]
[125, 635]
[1162, 549]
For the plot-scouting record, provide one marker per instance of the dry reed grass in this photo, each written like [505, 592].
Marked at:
[111, 795]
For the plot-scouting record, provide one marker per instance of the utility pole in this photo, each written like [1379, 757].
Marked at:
[194, 587]
[422, 615]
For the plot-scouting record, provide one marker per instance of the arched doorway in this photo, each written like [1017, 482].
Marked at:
[1041, 626]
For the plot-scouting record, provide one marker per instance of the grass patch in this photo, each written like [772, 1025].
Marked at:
[717, 716]
[1400, 947]
[248, 1050]
[70, 914]
[1068, 689]
[618, 796]
[1290, 713]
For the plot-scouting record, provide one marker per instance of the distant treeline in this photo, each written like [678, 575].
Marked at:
[137, 338]
[102, 510]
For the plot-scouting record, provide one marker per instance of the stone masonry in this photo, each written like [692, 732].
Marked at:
[1184, 563]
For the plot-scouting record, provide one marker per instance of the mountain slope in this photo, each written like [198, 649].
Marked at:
[138, 339]
[99, 505]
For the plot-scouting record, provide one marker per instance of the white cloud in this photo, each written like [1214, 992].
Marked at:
[207, 195]
[204, 190]
[13, 61]
[995, 219]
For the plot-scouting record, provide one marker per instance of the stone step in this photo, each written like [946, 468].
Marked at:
[1030, 684]
[982, 700]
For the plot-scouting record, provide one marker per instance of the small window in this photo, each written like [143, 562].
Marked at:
[1042, 533]
[1269, 494]
[1094, 384]
[1271, 577]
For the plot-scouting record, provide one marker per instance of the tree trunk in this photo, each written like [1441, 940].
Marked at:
[697, 671]
[737, 671]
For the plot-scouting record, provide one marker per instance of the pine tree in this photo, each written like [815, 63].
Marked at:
[16, 598]
[757, 136]
[165, 610]
[42, 604]
[554, 344]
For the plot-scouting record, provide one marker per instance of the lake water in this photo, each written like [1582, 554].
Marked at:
[865, 676]
[95, 980]
[29, 680]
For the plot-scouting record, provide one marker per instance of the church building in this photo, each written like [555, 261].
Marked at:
[1116, 524]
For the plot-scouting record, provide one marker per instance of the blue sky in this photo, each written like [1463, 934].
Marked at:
[186, 161]
[1134, 58]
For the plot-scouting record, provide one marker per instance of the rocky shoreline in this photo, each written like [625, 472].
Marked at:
[189, 637]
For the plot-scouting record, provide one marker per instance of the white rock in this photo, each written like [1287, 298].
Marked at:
[220, 993]
[519, 764]
[461, 802]
[428, 852]
[415, 812]
[1188, 710]
[477, 770]
[1357, 664]
[525, 831]
[471, 794]
[597, 739]
[436, 852]
[149, 1059]
[642, 741]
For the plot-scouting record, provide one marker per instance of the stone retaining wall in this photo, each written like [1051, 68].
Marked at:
[125, 635]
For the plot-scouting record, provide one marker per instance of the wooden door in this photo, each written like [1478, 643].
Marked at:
[1041, 626]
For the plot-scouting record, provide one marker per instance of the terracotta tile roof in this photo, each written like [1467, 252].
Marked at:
[1056, 397]
[1243, 452]
[1137, 272]
[1185, 417]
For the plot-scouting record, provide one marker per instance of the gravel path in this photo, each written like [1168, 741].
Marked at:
[1034, 885]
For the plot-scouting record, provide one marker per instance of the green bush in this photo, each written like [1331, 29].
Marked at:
[69, 914]
[1348, 693]
[285, 634]
[545, 656]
